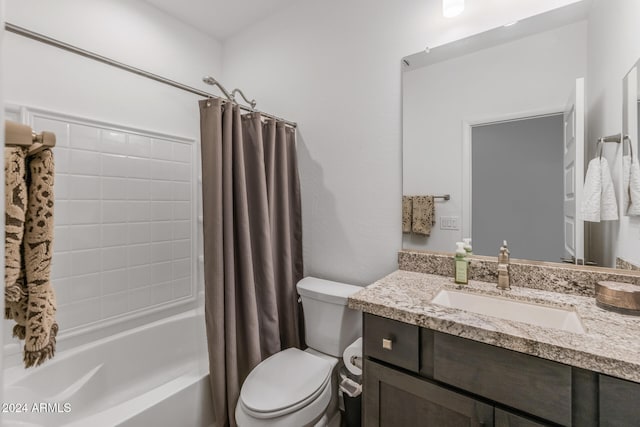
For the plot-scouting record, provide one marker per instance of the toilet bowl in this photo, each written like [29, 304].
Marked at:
[299, 388]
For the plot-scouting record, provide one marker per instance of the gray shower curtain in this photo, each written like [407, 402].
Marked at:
[252, 245]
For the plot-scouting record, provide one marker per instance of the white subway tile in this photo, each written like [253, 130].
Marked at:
[138, 168]
[181, 172]
[138, 189]
[114, 188]
[161, 252]
[78, 313]
[162, 169]
[114, 281]
[61, 215]
[84, 187]
[115, 304]
[114, 211]
[84, 212]
[84, 236]
[84, 137]
[61, 159]
[114, 235]
[84, 162]
[181, 287]
[161, 231]
[139, 146]
[181, 268]
[114, 165]
[61, 186]
[113, 142]
[181, 230]
[161, 211]
[59, 127]
[182, 152]
[138, 211]
[139, 232]
[62, 289]
[161, 272]
[182, 210]
[161, 149]
[182, 191]
[161, 293]
[85, 262]
[181, 249]
[114, 258]
[85, 287]
[161, 190]
[139, 276]
[138, 254]
[62, 239]
[139, 298]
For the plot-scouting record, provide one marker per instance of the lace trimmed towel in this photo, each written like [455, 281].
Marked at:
[34, 308]
[423, 215]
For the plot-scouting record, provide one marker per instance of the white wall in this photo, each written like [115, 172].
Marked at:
[519, 77]
[613, 49]
[42, 76]
[334, 67]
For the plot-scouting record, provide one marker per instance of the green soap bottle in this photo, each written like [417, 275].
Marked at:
[461, 274]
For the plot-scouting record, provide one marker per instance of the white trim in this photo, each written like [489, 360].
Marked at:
[483, 120]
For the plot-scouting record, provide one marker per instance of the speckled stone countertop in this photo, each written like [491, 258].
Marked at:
[610, 345]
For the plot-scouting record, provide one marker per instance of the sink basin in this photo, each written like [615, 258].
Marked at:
[504, 308]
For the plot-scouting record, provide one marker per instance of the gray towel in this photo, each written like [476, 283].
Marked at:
[423, 215]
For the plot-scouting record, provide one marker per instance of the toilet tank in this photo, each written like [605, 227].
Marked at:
[329, 325]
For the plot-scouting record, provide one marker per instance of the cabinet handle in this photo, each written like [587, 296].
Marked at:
[387, 344]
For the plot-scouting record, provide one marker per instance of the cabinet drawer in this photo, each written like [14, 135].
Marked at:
[530, 384]
[619, 402]
[391, 341]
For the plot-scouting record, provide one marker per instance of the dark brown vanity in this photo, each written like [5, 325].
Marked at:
[415, 376]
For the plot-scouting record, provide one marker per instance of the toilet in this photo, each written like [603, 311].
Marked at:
[300, 388]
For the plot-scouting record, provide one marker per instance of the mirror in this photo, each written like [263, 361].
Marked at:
[493, 120]
[628, 256]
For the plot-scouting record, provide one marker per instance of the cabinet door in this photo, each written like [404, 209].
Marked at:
[395, 399]
[508, 419]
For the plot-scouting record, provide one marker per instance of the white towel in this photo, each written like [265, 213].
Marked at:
[598, 197]
[634, 188]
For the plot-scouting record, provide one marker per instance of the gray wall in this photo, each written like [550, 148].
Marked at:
[517, 186]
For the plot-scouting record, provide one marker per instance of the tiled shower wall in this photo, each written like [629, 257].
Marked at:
[124, 220]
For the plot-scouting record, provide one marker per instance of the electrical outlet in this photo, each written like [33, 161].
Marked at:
[449, 223]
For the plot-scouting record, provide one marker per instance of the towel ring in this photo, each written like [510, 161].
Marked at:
[628, 141]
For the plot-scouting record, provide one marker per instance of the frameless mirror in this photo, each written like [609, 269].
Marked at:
[629, 237]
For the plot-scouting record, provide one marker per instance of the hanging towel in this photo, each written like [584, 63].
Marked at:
[634, 188]
[15, 197]
[423, 215]
[598, 198]
[34, 310]
[407, 213]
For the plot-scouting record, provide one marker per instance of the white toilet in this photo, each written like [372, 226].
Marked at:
[299, 388]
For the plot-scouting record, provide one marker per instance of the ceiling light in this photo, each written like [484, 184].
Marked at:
[451, 8]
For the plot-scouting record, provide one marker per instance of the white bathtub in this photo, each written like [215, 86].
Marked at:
[153, 375]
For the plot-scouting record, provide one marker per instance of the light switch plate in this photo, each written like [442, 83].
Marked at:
[449, 223]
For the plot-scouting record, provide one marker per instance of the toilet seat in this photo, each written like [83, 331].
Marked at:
[284, 383]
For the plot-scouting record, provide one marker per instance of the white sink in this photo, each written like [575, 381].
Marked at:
[504, 308]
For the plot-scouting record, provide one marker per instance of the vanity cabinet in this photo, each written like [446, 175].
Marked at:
[415, 376]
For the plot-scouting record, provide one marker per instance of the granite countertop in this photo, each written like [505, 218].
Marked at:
[610, 345]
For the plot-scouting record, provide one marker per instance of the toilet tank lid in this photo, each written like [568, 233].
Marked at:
[326, 290]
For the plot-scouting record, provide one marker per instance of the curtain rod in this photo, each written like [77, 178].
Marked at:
[105, 60]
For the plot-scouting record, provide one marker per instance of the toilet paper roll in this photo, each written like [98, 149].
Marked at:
[354, 350]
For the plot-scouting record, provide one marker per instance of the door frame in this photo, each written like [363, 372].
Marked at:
[467, 124]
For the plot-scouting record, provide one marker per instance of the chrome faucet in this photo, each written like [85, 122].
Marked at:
[503, 267]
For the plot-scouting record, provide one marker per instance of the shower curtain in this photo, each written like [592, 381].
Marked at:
[252, 245]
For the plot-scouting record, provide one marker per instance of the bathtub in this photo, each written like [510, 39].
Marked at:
[156, 374]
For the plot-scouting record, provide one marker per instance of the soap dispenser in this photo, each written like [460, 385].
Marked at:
[461, 275]
[467, 245]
